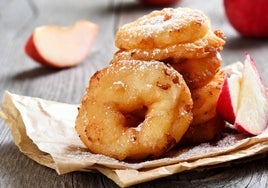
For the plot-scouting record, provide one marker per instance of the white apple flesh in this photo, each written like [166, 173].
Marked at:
[243, 99]
[252, 113]
[228, 98]
[61, 47]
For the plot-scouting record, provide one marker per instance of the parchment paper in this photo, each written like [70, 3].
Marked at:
[44, 131]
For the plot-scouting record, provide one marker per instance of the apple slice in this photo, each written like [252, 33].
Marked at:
[228, 98]
[252, 113]
[243, 100]
[61, 47]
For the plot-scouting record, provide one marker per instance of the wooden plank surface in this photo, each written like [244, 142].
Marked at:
[21, 75]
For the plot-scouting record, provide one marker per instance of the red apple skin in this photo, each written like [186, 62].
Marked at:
[224, 104]
[38, 55]
[261, 90]
[30, 50]
[240, 128]
[243, 99]
[248, 17]
[159, 2]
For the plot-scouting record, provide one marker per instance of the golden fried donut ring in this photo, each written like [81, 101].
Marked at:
[205, 99]
[210, 130]
[197, 72]
[211, 43]
[163, 28]
[133, 110]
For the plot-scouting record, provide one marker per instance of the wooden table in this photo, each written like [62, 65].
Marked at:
[21, 75]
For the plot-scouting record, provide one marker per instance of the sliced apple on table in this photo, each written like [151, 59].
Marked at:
[228, 98]
[252, 114]
[61, 47]
[243, 102]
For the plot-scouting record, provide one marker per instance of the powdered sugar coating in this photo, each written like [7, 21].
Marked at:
[121, 114]
[212, 42]
[162, 28]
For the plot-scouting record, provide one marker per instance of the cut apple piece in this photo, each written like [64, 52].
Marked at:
[227, 104]
[61, 47]
[243, 99]
[252, 113]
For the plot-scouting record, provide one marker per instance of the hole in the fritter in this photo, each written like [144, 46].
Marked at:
[135, 117]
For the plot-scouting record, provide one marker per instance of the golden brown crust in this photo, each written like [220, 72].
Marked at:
[197, 72]
[211, 43]
[205, 99]
[206, 125]
[211, 130]
[139, 107]
[163, 28]
[133, 110]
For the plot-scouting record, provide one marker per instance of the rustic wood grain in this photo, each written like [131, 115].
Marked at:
[21, 75]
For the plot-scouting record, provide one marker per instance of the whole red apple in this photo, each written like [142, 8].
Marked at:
[159, 2]
[248, 17]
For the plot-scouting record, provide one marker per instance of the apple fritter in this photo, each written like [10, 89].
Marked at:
[134, 110]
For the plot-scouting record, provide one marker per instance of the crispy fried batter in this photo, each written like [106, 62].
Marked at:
[210, 130]
[200, 48]
[133, 110]
[205, 99]
[206, 125]
[197, 72]
[140, 106]
[163, 28]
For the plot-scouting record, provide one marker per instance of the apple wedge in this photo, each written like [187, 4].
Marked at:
[227, 104]
[252, 114]
[61, 47]
[243, 99]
